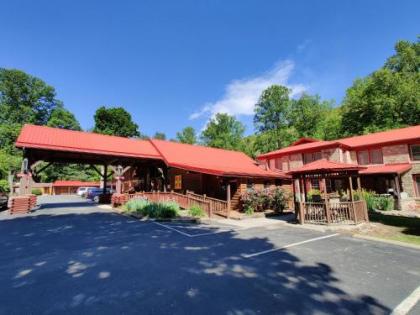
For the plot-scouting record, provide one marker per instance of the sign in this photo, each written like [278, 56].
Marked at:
[178, 182]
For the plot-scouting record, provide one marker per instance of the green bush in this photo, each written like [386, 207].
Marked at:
[37, 191]
[164, 210]
[384, 203]
[249, 210]
[375, 202]
[136, 205]
[196, 211]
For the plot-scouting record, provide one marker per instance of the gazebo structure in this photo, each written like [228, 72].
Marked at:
[335, 182]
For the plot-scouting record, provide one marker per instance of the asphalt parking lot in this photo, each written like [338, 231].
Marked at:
[72, 257]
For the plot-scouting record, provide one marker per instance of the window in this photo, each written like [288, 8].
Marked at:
[376, 156]
[279, 164]
[311, 157]
[363, 157]
[415, 152]
[370, 157]
[417, 183]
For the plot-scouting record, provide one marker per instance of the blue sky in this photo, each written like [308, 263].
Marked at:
[176, 63]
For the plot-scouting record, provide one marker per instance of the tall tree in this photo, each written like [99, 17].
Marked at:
[159, 135]
[62, 118]
[187, 135]
[389, 97]
[24, 98]
[115, 121]
[306, 114]
[223, 131]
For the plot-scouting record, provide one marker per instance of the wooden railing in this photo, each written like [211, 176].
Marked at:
[219, 207]
[334, 212]
[209, 205]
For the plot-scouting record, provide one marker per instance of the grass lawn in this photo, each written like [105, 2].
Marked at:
[403, 229]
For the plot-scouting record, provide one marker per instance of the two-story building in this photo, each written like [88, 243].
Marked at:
[391, 161]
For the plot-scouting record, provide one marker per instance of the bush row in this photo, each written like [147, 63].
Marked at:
[165, 210]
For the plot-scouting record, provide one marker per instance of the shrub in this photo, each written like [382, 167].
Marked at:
[136, 205]
[249, 210]
[259, 200]
[164, 210]
[196, 211]
[375, 202]
[37, 191]
[384, 203]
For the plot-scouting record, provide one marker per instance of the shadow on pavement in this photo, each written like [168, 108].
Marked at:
[106, 264]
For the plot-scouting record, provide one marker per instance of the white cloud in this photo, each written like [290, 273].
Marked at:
[241, 95]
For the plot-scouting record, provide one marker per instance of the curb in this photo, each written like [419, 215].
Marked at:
[384, 240]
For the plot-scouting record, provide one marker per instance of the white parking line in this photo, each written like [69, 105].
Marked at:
[408, 303]
[287, 246]
[191, 235]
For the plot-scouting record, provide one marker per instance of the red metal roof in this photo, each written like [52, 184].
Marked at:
[74, 183]
[189, 157]
[386, 169]
[409, 134]
[325, 166]
[385, 137]
[43, 137]
[211, 160]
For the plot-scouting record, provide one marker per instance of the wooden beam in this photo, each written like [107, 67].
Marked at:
[351, 188]
[398, 191]
[228, 197]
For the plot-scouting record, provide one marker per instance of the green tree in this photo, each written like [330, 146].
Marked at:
[329, 127]
[159, 135]
[24, 98]
[62, 118]
[223, 131]
[272, 109]
[115, 121]
[187, 135]
[306, 114]
[387, 98]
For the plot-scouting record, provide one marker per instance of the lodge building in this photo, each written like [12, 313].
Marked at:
[389, 161]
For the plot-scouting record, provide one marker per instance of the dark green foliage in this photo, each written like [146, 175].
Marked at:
[159, 135]
[187, 135]
[388, 98]
[37, 191]
[223, 131]
[115, 121]
[62, 118]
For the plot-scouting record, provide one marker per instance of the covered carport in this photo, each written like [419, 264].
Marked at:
[114, 155]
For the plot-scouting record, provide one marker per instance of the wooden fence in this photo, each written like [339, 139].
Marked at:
[209, 205]
[334, 212]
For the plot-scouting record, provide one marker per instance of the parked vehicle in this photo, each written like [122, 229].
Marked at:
[81, 191]
[4, 198]
[94, 193]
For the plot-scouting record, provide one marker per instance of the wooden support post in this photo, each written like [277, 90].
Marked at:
[228, 199]
[326, 201]
[105, 177]
[398, 191]
[302, 202]
[351, 188]
[359, 184]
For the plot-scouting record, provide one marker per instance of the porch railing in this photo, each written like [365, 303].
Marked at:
[334, 212]
[209, 205]
[217, 206]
